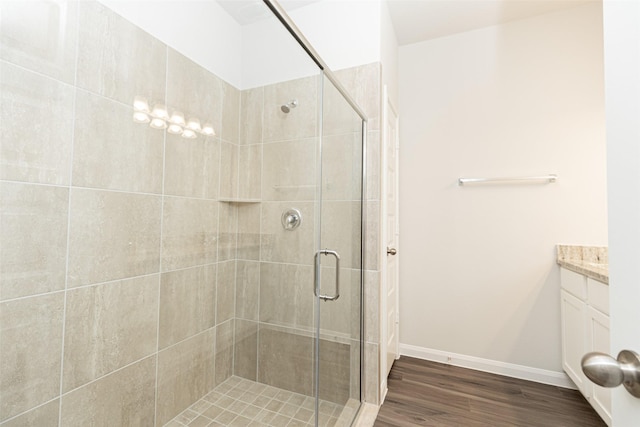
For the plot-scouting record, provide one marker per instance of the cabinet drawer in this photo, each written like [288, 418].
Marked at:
[598, 295]
[574, 283]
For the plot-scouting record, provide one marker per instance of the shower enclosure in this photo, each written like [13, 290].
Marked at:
[181, 218]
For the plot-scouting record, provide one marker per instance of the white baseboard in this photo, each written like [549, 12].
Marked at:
[543, 376]
[383, 393]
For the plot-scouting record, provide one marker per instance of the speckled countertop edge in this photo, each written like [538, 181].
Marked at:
[591, 261]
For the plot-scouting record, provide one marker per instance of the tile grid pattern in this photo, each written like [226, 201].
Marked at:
[364, 83]
[281, 261]
[241, 402]
[108, 317]
[147, 190]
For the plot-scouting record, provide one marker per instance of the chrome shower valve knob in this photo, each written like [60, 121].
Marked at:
[291, 219]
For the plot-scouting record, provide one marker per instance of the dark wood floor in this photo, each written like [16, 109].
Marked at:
[423, 393]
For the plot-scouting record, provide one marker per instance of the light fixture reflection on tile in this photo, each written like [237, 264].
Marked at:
[188, 133]
[175, 129]
[158, 123]
[140, 104]
[178, 118]
[159, 118]
[208, 130]
[141, 117]
[160, 112]
[194, 125]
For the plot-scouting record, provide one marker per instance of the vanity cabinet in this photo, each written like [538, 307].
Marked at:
[574, 338]
[585, 328]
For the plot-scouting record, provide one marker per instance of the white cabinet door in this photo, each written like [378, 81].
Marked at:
[598, 340]
[574, 346]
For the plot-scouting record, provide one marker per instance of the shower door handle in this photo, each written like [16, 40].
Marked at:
[316, 285]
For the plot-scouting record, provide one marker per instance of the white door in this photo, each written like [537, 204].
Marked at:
[622, 91]
[390, 218]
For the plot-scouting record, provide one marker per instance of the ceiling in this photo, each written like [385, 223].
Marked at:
[419, 20]
[250, 11]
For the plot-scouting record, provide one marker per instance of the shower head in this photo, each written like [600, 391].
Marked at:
[289, 105]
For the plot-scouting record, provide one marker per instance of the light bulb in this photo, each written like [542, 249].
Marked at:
[208, 130]
[194, 124]
[177, 118]
[140, 117]
[188, 133]
[140, 104]
[160, 112]
[174, 129]
[157, 123]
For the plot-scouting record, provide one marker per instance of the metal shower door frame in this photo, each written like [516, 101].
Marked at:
[297, 34]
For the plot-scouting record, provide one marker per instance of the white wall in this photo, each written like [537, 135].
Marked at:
[271, 55]
[200, 30]
[389, 53]
[349, 33]
[246, 56]
[478, 272]
[344, 33]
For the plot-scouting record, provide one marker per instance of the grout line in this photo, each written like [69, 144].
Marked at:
[42, 184]
[308, 138]
[259, 284]
[237, 145]
[236, 211]
[128, 365]
[142, 193]
[66, 278]
[218, 207]
[115, 280]
[91, 285]
[235, 297]
[14, 417]
[72, 85]
[16, 299]
[111, 190]
[160, 254]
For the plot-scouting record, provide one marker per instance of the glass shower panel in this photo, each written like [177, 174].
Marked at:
[339, 303]
[288, 225]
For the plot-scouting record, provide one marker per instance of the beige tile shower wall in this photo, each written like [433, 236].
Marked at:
[364, 83]
[139, 214]
[275, 266]
[339, 370]
[39, 154]
[118, 257]
[246, 349]
[277, 161]
[285, 360]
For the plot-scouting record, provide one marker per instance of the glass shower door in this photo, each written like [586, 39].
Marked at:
[339, 261]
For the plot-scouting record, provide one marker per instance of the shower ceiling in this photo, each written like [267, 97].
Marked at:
[250, 11]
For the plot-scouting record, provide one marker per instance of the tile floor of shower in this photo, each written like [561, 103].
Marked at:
[241, 402]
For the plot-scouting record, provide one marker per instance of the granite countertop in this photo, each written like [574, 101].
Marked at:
[591, 261]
